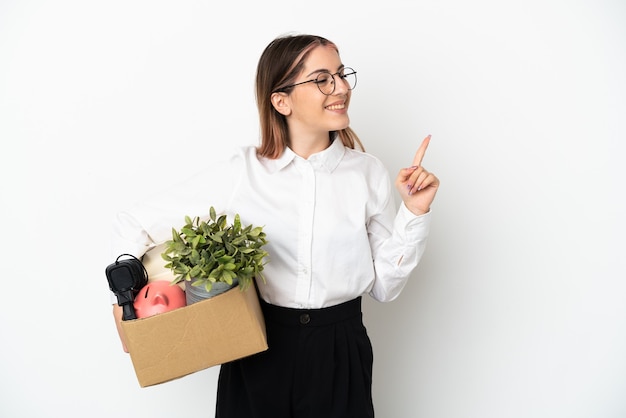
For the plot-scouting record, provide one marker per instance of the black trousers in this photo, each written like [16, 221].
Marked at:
[318, 365]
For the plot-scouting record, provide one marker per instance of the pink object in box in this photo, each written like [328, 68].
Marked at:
[157, 297]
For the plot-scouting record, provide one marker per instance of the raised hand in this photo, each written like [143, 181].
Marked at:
[417, 186]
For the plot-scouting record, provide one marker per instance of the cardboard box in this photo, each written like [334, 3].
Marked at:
[170, 345]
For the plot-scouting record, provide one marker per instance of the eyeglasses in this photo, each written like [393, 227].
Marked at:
[325, 81]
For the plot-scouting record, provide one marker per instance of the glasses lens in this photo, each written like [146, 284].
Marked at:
[349, 76]
[325, 83]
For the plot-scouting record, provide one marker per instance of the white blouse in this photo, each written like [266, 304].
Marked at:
[332, 228]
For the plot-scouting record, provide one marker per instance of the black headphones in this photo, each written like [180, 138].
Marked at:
[126, 278]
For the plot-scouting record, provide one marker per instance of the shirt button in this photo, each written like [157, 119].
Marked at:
[305, 319]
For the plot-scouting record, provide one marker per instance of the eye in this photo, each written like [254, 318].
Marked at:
[324, 79]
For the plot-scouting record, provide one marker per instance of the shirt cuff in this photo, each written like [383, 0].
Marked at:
[414, 227]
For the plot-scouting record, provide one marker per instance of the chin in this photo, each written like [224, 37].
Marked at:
[343, 125]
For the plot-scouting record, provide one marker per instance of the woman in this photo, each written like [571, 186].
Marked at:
[334, 235]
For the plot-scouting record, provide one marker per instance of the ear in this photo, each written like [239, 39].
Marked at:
[281, 103]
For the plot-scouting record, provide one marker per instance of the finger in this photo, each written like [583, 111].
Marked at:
[425, 181]
[418, 181]
[417, 171]
[405, 174]
[419, 155]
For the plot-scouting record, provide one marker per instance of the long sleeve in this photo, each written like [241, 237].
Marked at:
[398, 243]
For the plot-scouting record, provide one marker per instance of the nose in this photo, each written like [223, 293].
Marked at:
[341, 85]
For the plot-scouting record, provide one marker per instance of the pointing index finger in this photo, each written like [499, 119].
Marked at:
[419, 155]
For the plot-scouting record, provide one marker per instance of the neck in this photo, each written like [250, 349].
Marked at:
[306, 148]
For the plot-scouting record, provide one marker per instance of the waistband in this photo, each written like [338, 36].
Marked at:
[311, 317]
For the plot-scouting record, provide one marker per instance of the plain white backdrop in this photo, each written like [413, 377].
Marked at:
[519, 307]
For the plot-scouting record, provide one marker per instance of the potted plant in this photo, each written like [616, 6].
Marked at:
[212, 256]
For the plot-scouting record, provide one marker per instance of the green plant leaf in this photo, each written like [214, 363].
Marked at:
[195, 271]
[237, 224]
[224, 259]
[217, 237]
[256, 232]
[225, 277]
[213, 250]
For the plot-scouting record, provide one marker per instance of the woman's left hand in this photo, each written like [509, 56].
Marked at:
[417, 186]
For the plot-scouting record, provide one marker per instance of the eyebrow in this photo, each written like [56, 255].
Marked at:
[324, 70]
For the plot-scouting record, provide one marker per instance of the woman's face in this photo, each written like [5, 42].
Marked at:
[313, 113]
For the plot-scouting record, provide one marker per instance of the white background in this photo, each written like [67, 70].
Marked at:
[518, 309]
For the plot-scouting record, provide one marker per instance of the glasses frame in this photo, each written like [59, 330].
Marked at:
[346, 70]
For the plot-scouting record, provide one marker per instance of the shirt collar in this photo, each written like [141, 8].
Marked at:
[328, 159]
